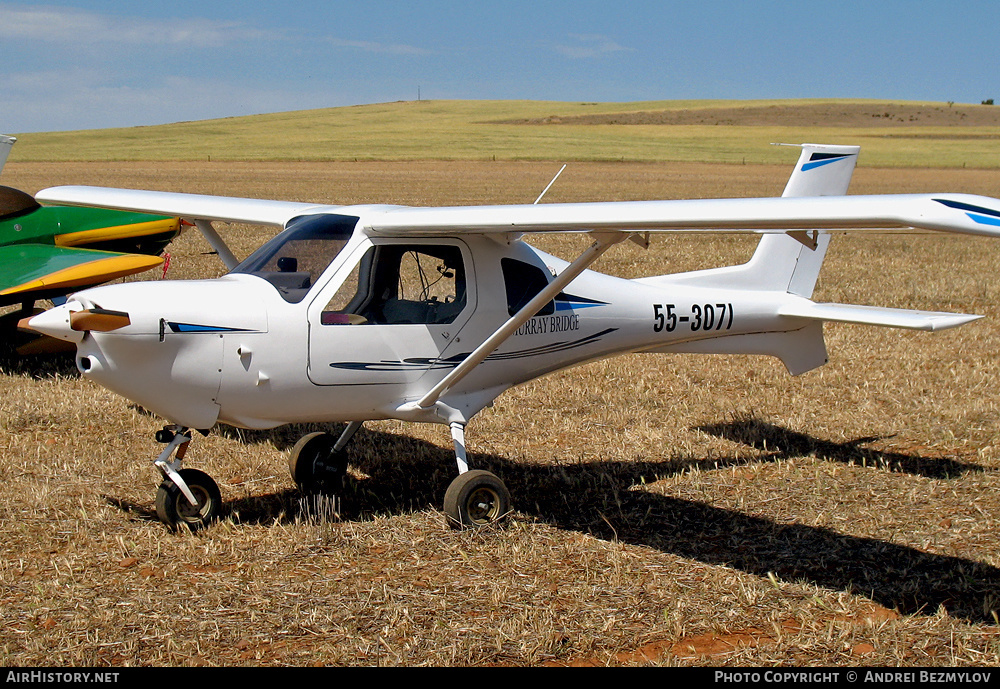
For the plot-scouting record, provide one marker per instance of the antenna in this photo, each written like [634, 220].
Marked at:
[550, 184]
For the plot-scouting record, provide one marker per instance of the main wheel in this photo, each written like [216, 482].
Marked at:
[314, 465]
[174, 509]
[476, 498]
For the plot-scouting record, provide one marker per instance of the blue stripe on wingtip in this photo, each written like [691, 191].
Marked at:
[980, 214]
[984, 219]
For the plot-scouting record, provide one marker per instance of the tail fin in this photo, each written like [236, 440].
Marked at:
[822, 170]
[786, 263]
[6, 142]
[789, 263]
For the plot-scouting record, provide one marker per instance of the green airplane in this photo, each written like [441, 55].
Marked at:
[49, 252]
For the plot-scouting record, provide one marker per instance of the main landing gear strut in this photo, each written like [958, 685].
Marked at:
[474, 498]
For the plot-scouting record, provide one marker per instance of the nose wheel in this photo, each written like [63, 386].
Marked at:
[187, 497]
[174, 509]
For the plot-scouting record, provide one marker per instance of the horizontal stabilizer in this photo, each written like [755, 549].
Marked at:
[875, 315]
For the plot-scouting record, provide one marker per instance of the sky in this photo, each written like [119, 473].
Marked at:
[86, 64]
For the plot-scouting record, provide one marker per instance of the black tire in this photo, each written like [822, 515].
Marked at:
[173, 508]
[476, 498]
[315, 467]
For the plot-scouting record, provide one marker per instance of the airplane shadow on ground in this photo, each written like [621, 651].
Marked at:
[404, 474]
[781, 443]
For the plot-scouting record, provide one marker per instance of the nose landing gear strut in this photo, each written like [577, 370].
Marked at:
[187, 496]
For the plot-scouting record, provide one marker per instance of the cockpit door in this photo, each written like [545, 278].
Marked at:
[392, 314]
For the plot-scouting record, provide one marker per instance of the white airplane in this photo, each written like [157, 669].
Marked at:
[358, 313]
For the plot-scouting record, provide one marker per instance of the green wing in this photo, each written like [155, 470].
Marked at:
[52, 251]
[38, 271]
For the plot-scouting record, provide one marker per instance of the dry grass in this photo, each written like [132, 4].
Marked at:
[686, 510]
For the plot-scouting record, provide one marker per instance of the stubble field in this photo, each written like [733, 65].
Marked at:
[672, 510]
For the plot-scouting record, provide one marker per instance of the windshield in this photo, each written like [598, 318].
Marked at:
[294, 259]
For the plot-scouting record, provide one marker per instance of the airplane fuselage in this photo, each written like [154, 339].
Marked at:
[236, 349]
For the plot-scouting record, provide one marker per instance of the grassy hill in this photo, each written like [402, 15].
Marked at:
[892, 133]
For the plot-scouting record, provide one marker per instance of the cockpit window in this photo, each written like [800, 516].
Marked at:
[294, 259]
[401, 284]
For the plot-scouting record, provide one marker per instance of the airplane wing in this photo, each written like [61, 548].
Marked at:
[961, 213]
[188, 206]
[40, 269]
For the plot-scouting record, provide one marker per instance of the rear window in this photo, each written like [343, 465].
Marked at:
[522, 282]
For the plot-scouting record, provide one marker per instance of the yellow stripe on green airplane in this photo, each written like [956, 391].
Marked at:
[105, 234]
[43, 268]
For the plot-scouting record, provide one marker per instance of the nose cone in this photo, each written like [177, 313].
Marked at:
[56, 322]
